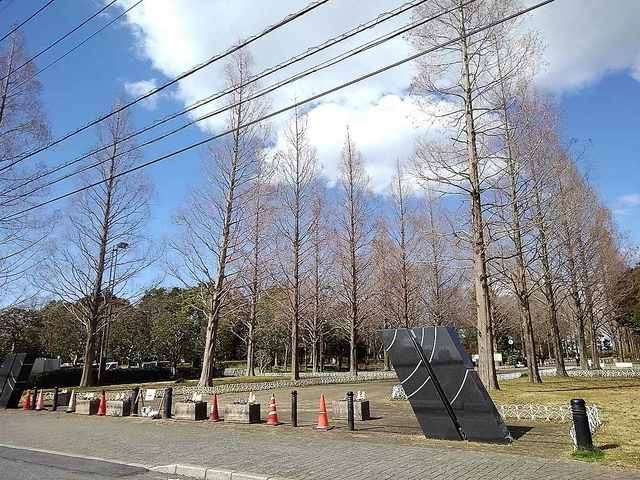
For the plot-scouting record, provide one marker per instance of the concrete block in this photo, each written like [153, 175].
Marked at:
[190, 411]
[118, 408]
[218, 474]
[242, 412]
[247, 476]
[361, 409]
[87, 407]
[191, 471]
[169, 469]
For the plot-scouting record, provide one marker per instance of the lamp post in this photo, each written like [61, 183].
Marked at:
[107, 327]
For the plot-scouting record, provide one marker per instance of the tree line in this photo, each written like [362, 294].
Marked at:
[492, 227]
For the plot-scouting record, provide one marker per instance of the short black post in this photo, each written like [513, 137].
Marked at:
[35, 398]
[294, 408]
[168, 400]
[54, 407]
[581, 424]
[135, 401]
[350, 415]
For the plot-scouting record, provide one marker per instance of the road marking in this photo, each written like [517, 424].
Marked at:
[73, 455]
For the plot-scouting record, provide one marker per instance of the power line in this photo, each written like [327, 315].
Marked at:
[24, 22]
[309, 52]
[73, 49]
[60, 39]
[289, 18]
[285, 109]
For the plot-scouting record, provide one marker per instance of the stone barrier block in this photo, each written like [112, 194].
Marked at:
[118, 408]
[87, 407]
[242, 412]
[190, 411]
[361, 410]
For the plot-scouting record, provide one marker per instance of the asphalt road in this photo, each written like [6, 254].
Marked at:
[19, 464]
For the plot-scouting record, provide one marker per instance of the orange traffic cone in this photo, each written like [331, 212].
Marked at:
[26, 403]
[323, 418]
[102, 407]
[40, 402]
[272, 417]
[214, 416]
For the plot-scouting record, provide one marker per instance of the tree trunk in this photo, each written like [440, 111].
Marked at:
[208, 358]
[88, 379]
[486, 366]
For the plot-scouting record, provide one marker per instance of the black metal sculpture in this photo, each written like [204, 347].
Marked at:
[14, 376]
[445, 392]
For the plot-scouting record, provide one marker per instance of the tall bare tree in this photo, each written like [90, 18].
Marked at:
[297, 175]
[210, 253]
[100, 221]
[316, 324]
[23, 128]
[353, 244]
[405, 236]
[463, 73]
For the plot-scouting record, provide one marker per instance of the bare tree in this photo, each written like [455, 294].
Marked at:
[210, 253]
[353, 244]
[541, 148]
[297, 176]
[23, 128]
[463, 73]
[514, 192]
[316, 323]
[441, 272]
[101, 220]
[256, 247]
[382, 276]
[405, 237]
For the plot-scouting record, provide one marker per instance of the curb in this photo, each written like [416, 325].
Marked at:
[204, 473]
[192, 471]
[73, 455]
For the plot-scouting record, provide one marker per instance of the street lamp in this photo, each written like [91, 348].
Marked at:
[107, 328]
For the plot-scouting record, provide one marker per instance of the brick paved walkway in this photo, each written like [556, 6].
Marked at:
[295, 454]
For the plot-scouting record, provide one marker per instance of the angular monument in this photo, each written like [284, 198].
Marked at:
[445, 392]
[14, 376]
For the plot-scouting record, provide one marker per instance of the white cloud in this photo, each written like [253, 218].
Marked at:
[585, 39]
[625, 204]
[136, 89]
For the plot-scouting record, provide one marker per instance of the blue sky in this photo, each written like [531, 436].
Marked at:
[599, 97]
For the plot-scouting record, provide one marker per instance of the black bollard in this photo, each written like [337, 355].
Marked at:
[581, 424]
[294, 409]
[350, 415]
[135, 401]
[54, 407]
[35, 398]
[168, 400]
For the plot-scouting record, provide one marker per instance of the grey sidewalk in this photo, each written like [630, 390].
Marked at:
[300, 454]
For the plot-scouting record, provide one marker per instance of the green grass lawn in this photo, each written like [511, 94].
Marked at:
[618, 399]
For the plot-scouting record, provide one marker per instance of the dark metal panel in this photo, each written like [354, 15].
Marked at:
[472, 407]
[14, 375]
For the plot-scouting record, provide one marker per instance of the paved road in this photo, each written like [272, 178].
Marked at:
[296, 454]
[19, 464]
